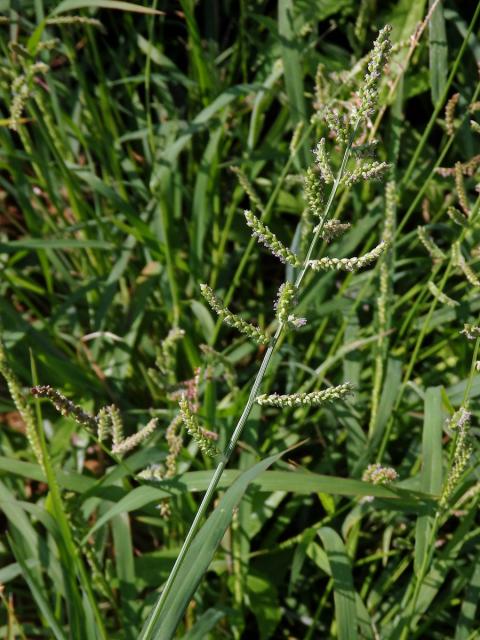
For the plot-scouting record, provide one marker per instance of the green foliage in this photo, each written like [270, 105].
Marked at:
[120, 123]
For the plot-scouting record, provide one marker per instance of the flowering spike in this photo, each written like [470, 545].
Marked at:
[231, 319]
[332, 229]
[65, 406]
[270, 240]
[313, 399]
[450, 114]
[349, 264]
[457, 216]
[460, 262]
[134, 440]
[460, 186]
[459, 423]
[365, 171]
[201, 436]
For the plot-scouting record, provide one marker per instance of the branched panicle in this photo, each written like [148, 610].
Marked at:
[266, 237]
[312, 399]
[201, 436]
[231, 319]
[23, 408]
[349, 264]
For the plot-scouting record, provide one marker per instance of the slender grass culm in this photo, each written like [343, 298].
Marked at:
[349, 129]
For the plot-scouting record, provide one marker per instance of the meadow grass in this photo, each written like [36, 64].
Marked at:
[131, 142]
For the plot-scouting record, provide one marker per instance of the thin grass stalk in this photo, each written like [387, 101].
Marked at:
[207, 498]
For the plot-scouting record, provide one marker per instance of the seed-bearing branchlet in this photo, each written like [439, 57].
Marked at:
[312, 399]
[134, 440]
[266, 237]
[201, 436]
[462, 264]
[450, 114]
[440, 296]
[247, 186]
[313, 187]
[457, 216]
[432, 248]
[349, 264]
[323, 161]
[332, 229]
[460, 187]
[65, 406]
[366, 171]
[471, 331]
[231, 319]
[24, 409]
[459, 424]
[378, 474]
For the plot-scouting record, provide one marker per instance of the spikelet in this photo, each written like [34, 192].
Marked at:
[366, 171]
[440, 296]
[65, 406]
[459, 423]
[475, 126]
[20, 402]
[231, 319]
[284, 304]
[450, 113]
[471, 331]
[263, 234]
[248, 187]
[337, 125]
[433, 249]
[368, 94]
[134, 440]
[378, 474]
[332, 229]
[457, 216]
[313, 187]
[117, 425]
[297, 134]
[461, 263]
[323, 162]
[313, 399]
[201, 436]
[349, 264]
[460, 187]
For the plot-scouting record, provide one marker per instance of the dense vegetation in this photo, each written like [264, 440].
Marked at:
[132, 138]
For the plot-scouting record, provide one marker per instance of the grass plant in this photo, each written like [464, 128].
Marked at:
[239, 319]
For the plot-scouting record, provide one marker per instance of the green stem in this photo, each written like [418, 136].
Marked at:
[207, 498]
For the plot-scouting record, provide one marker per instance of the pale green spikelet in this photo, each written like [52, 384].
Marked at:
[65, 406]
[471, 331]
[284, 305]
[154, 472]
[380, 475]
[349, 264]
[450, 114]
[475, 126]
[103, 424]
[117, 425]
[313, 187]
[297, 134]
[201, 436]
[365, 171]
[460, 188]
[332, 229]
[462, 264]
[134, 440]
[440, 296]
[432, 248]
[458, 423]
[457, 216]
[368, 94]
[323, 162]
[23, 408]
[264, 236]
[174, 442]
[231, 319]
[336, 124]
[247, 186]
[312, 399]
[74, 20]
